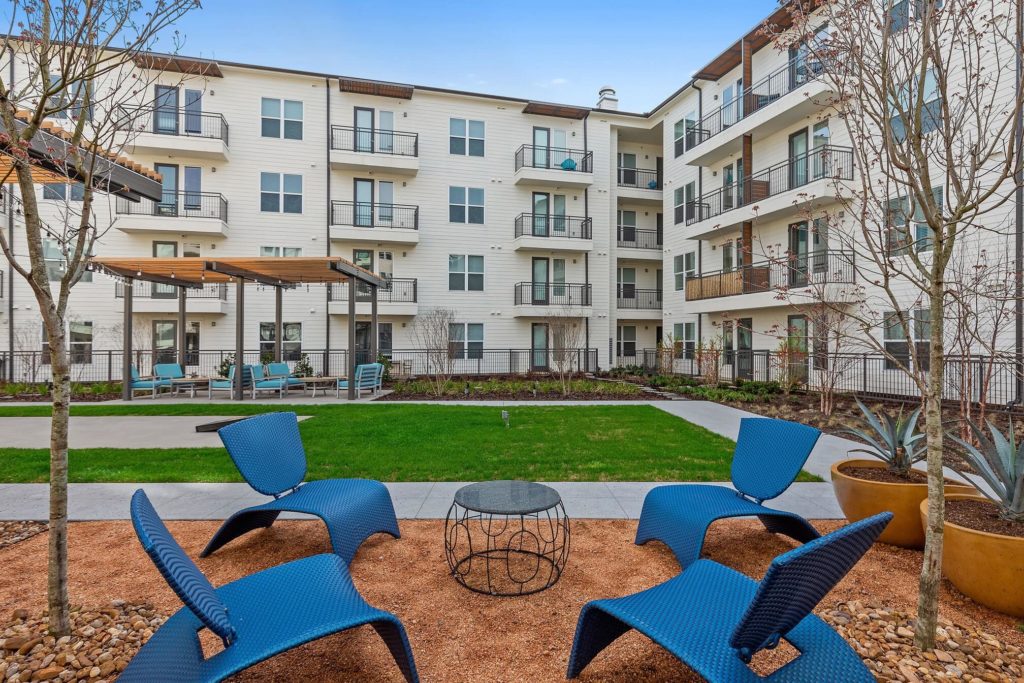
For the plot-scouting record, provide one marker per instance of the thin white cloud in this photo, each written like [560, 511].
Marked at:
[553, 83]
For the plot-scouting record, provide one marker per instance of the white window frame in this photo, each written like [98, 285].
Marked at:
[465, 340]
[467, 137]
[466, 204]
[469, 268]
[281, 117]
[286, 252]
[291, 349]
[280, 191]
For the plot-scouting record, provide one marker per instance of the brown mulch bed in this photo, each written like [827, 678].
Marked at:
[981, 515]
[457, 635]
[16, 532]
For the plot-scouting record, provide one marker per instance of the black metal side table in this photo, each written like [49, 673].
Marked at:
[507, 538]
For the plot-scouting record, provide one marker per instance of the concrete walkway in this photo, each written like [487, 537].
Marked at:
[413, 500]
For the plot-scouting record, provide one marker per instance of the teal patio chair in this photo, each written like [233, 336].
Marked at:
[369, 377]
[263, 382]
[152, 385]
[169, 372]
[275, 370]
[229, 384]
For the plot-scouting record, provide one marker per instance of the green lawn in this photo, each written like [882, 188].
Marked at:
[419, 443]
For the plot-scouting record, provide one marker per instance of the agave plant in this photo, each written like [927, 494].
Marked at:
[893, 440]
[999, 461]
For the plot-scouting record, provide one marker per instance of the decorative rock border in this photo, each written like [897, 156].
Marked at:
[15, 532]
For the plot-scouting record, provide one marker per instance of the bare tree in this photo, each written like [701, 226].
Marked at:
[926, 93]
[74, 67]
[668, 350]
[432, 335]
[27, 344]
[567, 355]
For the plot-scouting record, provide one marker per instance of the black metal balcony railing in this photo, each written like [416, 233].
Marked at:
[555, 158]
[366, 215]
[787, 272]
[792, 75]
[375, 141]
[828, 162]
[548, 225]
[552, 294]
[631, 238]
[152, 290]
[641, 178]
[174, 121]
[642, 299]
[398, 291]
[177, 205]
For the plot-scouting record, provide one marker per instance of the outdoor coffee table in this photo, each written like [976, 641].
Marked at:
[324, 383]
[507, 537]
[189, 383]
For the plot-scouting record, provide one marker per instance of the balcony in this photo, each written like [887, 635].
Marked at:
[399, 298]
[554, 167]
[774, 282]
[639, 185]
[638, 304]
[546, 232]
[198, 213]
[149, 297]
[779, 100]
[815, 174]
[179, 132]
[370, 149]
[549, 299]
[383, 223]
[644, 245]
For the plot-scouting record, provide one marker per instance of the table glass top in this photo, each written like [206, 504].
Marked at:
[507, 497]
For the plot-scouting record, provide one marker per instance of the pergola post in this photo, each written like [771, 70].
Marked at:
[239, 391]
[126, 344]
[373, 323]
[182, 299]
[278, 325]
[352, 337]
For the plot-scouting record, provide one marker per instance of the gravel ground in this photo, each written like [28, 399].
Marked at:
[15, 532]
[461, 636]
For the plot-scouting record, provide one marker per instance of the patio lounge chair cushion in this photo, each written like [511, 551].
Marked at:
[368, 376]
[568, 165]
[147, 384]
[715, 619]
[269, 612]
[768, 457]
[168, 371]
[247, 375]
[281, 370]
[267, 450]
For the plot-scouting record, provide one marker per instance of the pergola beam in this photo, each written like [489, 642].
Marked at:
[149, 277]
[246, 274]
[358, 273]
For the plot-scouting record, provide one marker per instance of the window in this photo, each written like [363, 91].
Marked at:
[728, 261]
[280, 191]
[684, 267]
[466, 137]
[80, 341]
[465, 273]
[931, 106]
[281, 118]
[466, 340]
[56, 263]
[686, 339]
[59, 191]
[281, 251]
[385, 337]
[626, 341]
[466, 205]
[894, 335]
[906, 227]
[69, 105]
[291, 345]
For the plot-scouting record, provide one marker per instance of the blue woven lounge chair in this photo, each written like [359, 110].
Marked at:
[229, 383]
[151, 385]
[267, 450]
[256, 617]
[369, 377]
[715, 619]
[768, 457]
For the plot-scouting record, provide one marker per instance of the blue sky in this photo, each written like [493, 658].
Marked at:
[556, 51]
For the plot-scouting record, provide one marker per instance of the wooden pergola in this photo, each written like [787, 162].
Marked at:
[280, 273]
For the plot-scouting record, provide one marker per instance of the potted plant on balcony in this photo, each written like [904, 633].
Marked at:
[889, 482]
[983, 551]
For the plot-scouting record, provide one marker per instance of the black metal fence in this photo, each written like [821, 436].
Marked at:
[552, 294]
[550, 225]
[792, 75]
[632, 238]
[640, 178]
[555, 158]
[177, 205]
[375, 141]
[367, 215]
[397, 291]
[824, 163]
[978, 379]
[151, 290]
[184, 122]
[787, 272]
[96, 365]
[642, 299]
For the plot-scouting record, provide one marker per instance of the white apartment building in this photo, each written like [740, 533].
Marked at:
[508, 211]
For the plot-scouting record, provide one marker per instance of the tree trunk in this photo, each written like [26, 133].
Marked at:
[57, 582]
[931, 567]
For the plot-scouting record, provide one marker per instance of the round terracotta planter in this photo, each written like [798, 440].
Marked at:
[860, 498]
[997, 581]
